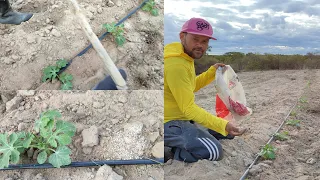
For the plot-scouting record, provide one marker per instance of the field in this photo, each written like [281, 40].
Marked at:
[54, 33]
[270, 94]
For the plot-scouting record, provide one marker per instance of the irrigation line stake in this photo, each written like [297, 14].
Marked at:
[109, 64]
[270, 140]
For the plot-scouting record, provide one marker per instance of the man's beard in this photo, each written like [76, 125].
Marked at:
[190, 53]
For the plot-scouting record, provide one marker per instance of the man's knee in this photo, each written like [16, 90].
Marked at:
[211, 149]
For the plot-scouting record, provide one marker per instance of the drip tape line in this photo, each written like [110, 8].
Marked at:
[88, 164]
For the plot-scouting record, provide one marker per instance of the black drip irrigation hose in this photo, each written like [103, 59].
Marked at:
[103, 36]
[88, 164]
[270, 140]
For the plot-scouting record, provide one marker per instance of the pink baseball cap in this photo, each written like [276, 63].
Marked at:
[198, 26]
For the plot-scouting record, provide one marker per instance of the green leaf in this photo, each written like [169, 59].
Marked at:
[110, 27]
[50, 72]
[29, 137]
[42, 157]
[66, 86]
[154, 12]
[293, 122]
[64, 77]
[61, 157]
[62, 135]
[62, 63]
[23, 141]
[64, 139]
[146, 8]
[8, 150]
[52, 114]
[120, 40]
[47, 120]
[52, 142]
[65, 128]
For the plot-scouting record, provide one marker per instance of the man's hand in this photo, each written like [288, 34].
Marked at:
[233, 130]
[219, 65]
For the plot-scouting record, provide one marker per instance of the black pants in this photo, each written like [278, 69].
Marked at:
[190, 143]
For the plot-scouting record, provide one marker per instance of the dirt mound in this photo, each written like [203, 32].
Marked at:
[54, 33]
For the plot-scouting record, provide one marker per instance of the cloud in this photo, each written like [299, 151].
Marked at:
[272, 26]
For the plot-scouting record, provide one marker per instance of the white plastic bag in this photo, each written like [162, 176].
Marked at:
[231, 102]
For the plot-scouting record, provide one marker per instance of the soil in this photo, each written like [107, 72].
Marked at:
[271, 95]
[54, 33]
[128, 125]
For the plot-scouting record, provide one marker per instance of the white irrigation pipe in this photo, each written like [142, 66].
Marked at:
[270, 140]
[109, 65]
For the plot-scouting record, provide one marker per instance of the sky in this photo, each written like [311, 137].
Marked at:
[262, 26]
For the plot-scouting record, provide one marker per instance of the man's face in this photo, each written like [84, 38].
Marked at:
[194, 45]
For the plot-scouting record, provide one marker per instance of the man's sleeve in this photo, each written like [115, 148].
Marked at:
[179, 84]
[205, 78]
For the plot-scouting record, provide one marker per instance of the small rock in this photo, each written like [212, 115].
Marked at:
[39, 177]
[45, 106]
[122, 99]
[247, 162]
[269, 162]
[26, 92]
[301, 160]
[216, 163]
[87, 150]
[255, 170]
[90, 137]
[55, 33]
[98, 105]
[234, 153]
[105, 172]
[158, 150]
[47, 20]
[22, 103]
[30, 152]
[110, 3]
[133, 128]
[264, 165]
[153, 136]
[14, 57]
[311, 161]
[31, 39]
[36, 98]
[21, 108]
[8, 60]
[22, 126]
[13, 103]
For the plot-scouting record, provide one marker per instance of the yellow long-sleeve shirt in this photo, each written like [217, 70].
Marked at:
[180, 83]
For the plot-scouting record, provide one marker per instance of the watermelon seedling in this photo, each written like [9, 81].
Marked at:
[50, 137]
[293, 122]
[268, 152]
[282, 136]
[293, 113]
[117, 32]
[150, 7]
[51, 73]
[303, 100]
